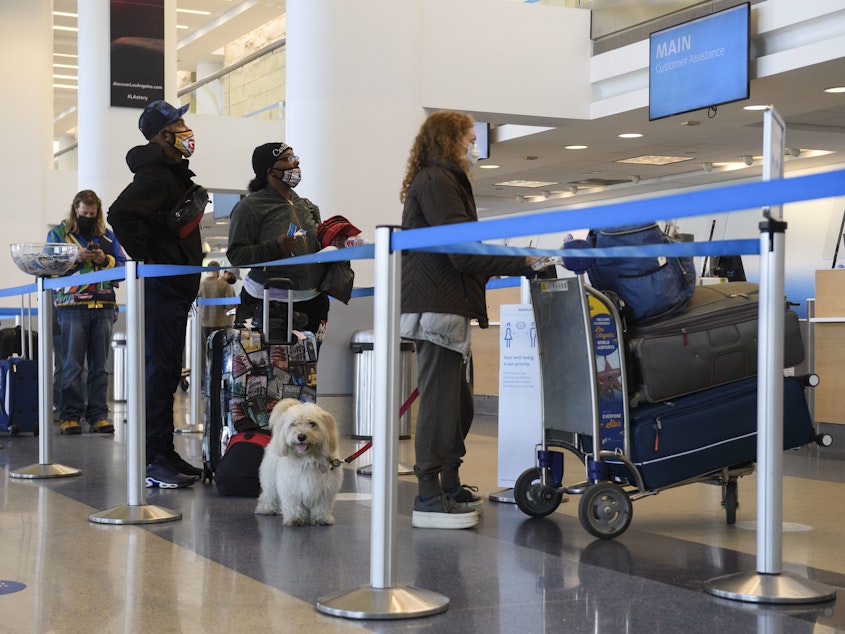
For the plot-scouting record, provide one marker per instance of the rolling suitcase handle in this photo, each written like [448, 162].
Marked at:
[282, 283]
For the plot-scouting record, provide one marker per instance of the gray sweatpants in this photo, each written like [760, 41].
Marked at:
[444, 417]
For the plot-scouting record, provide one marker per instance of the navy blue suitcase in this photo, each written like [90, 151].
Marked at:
[18, 395]
[701, 433]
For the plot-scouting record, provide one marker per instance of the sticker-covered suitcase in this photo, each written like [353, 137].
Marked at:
[704, 432]
[712, 342]
[246, 376]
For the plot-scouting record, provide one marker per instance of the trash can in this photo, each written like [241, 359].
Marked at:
[362, 345]
[119, 361]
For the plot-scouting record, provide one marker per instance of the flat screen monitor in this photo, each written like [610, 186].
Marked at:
[482, 139]
[700, 63]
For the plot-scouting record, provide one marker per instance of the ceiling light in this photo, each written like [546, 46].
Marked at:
[630, 135]
[835, 89]
[757, 107]
[65, 66]
[650, 159]
[575, 147]
[65, 14]
[74, 77]
[488, 167]
[64, 28]
[193, 11]
[519, 183]
[68, 86]
[65, 55]
[182, 26]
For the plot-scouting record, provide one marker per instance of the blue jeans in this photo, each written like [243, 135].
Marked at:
[86, 336]
[165, 320]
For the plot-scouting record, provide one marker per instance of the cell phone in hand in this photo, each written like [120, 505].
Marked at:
[93, 246]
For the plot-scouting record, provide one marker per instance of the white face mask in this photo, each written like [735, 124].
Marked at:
[473, 153]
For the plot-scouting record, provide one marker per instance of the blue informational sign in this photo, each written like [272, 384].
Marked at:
[699, 64]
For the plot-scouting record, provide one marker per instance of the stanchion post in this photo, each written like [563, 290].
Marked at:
[769, 584]
[382, 599]
[136, 511]
[45, 467]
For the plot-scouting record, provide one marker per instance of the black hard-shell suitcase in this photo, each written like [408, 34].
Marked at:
[246, 375]
[704, 432]
[12, 344]
[712, 342]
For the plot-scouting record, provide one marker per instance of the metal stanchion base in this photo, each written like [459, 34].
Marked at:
[505, 496]
[398, 602]
[755, 587]
[189, 429]
[368, 469]
[141, 514]
[45, 471]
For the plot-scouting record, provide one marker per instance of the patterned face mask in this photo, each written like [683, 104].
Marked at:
[184, 142]
[290, 177]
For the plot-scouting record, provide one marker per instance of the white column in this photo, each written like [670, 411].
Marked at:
[107, 133]
[209, 98]
[26, 111]
[354, 106]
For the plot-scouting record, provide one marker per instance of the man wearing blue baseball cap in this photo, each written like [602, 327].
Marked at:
[139, 218]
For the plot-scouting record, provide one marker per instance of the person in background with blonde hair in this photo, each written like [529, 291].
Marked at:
[85, 315]
[441, 293]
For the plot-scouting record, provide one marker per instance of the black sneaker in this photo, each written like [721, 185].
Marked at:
[442, 512]
[465, 496]
[175, 462]
[165, 477]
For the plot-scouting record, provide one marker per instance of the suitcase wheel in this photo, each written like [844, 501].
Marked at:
[605, 510]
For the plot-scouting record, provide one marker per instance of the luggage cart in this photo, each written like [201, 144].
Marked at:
[585, 412]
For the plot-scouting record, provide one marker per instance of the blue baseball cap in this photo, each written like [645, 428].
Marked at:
[158, 115]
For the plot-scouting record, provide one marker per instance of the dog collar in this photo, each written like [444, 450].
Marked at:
[335, 463]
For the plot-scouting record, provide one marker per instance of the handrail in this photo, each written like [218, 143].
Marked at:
[232, 67]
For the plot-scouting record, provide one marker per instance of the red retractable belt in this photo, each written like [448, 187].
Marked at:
[407, 404]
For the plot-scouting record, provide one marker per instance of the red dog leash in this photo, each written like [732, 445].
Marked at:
[405, 406]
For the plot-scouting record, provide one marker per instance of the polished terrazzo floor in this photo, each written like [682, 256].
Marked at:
[223, 569]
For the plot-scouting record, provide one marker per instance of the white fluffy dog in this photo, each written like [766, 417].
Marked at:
[300, 473]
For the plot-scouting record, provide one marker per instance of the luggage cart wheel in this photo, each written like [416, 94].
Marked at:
[730, 500]
[605, 510]
[533, 497]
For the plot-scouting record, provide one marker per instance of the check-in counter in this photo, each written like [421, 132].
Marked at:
[829, 346]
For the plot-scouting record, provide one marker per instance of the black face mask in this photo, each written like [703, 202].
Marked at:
[86, 225]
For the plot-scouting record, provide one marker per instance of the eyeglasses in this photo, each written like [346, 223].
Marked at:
[290, 158]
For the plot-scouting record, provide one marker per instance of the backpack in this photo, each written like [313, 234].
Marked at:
[237, 471]
[651, 288]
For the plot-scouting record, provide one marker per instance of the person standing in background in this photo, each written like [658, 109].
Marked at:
[212, 286]
[161, 180]
[85, 316]
[440, 294]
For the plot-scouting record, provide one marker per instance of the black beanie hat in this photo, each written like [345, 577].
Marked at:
[264, 156]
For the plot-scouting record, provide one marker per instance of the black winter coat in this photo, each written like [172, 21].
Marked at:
[441, 194]
[137, 215]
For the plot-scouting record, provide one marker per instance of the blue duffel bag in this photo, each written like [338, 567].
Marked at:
[649, 287]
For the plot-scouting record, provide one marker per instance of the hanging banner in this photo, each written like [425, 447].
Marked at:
[137, 52]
